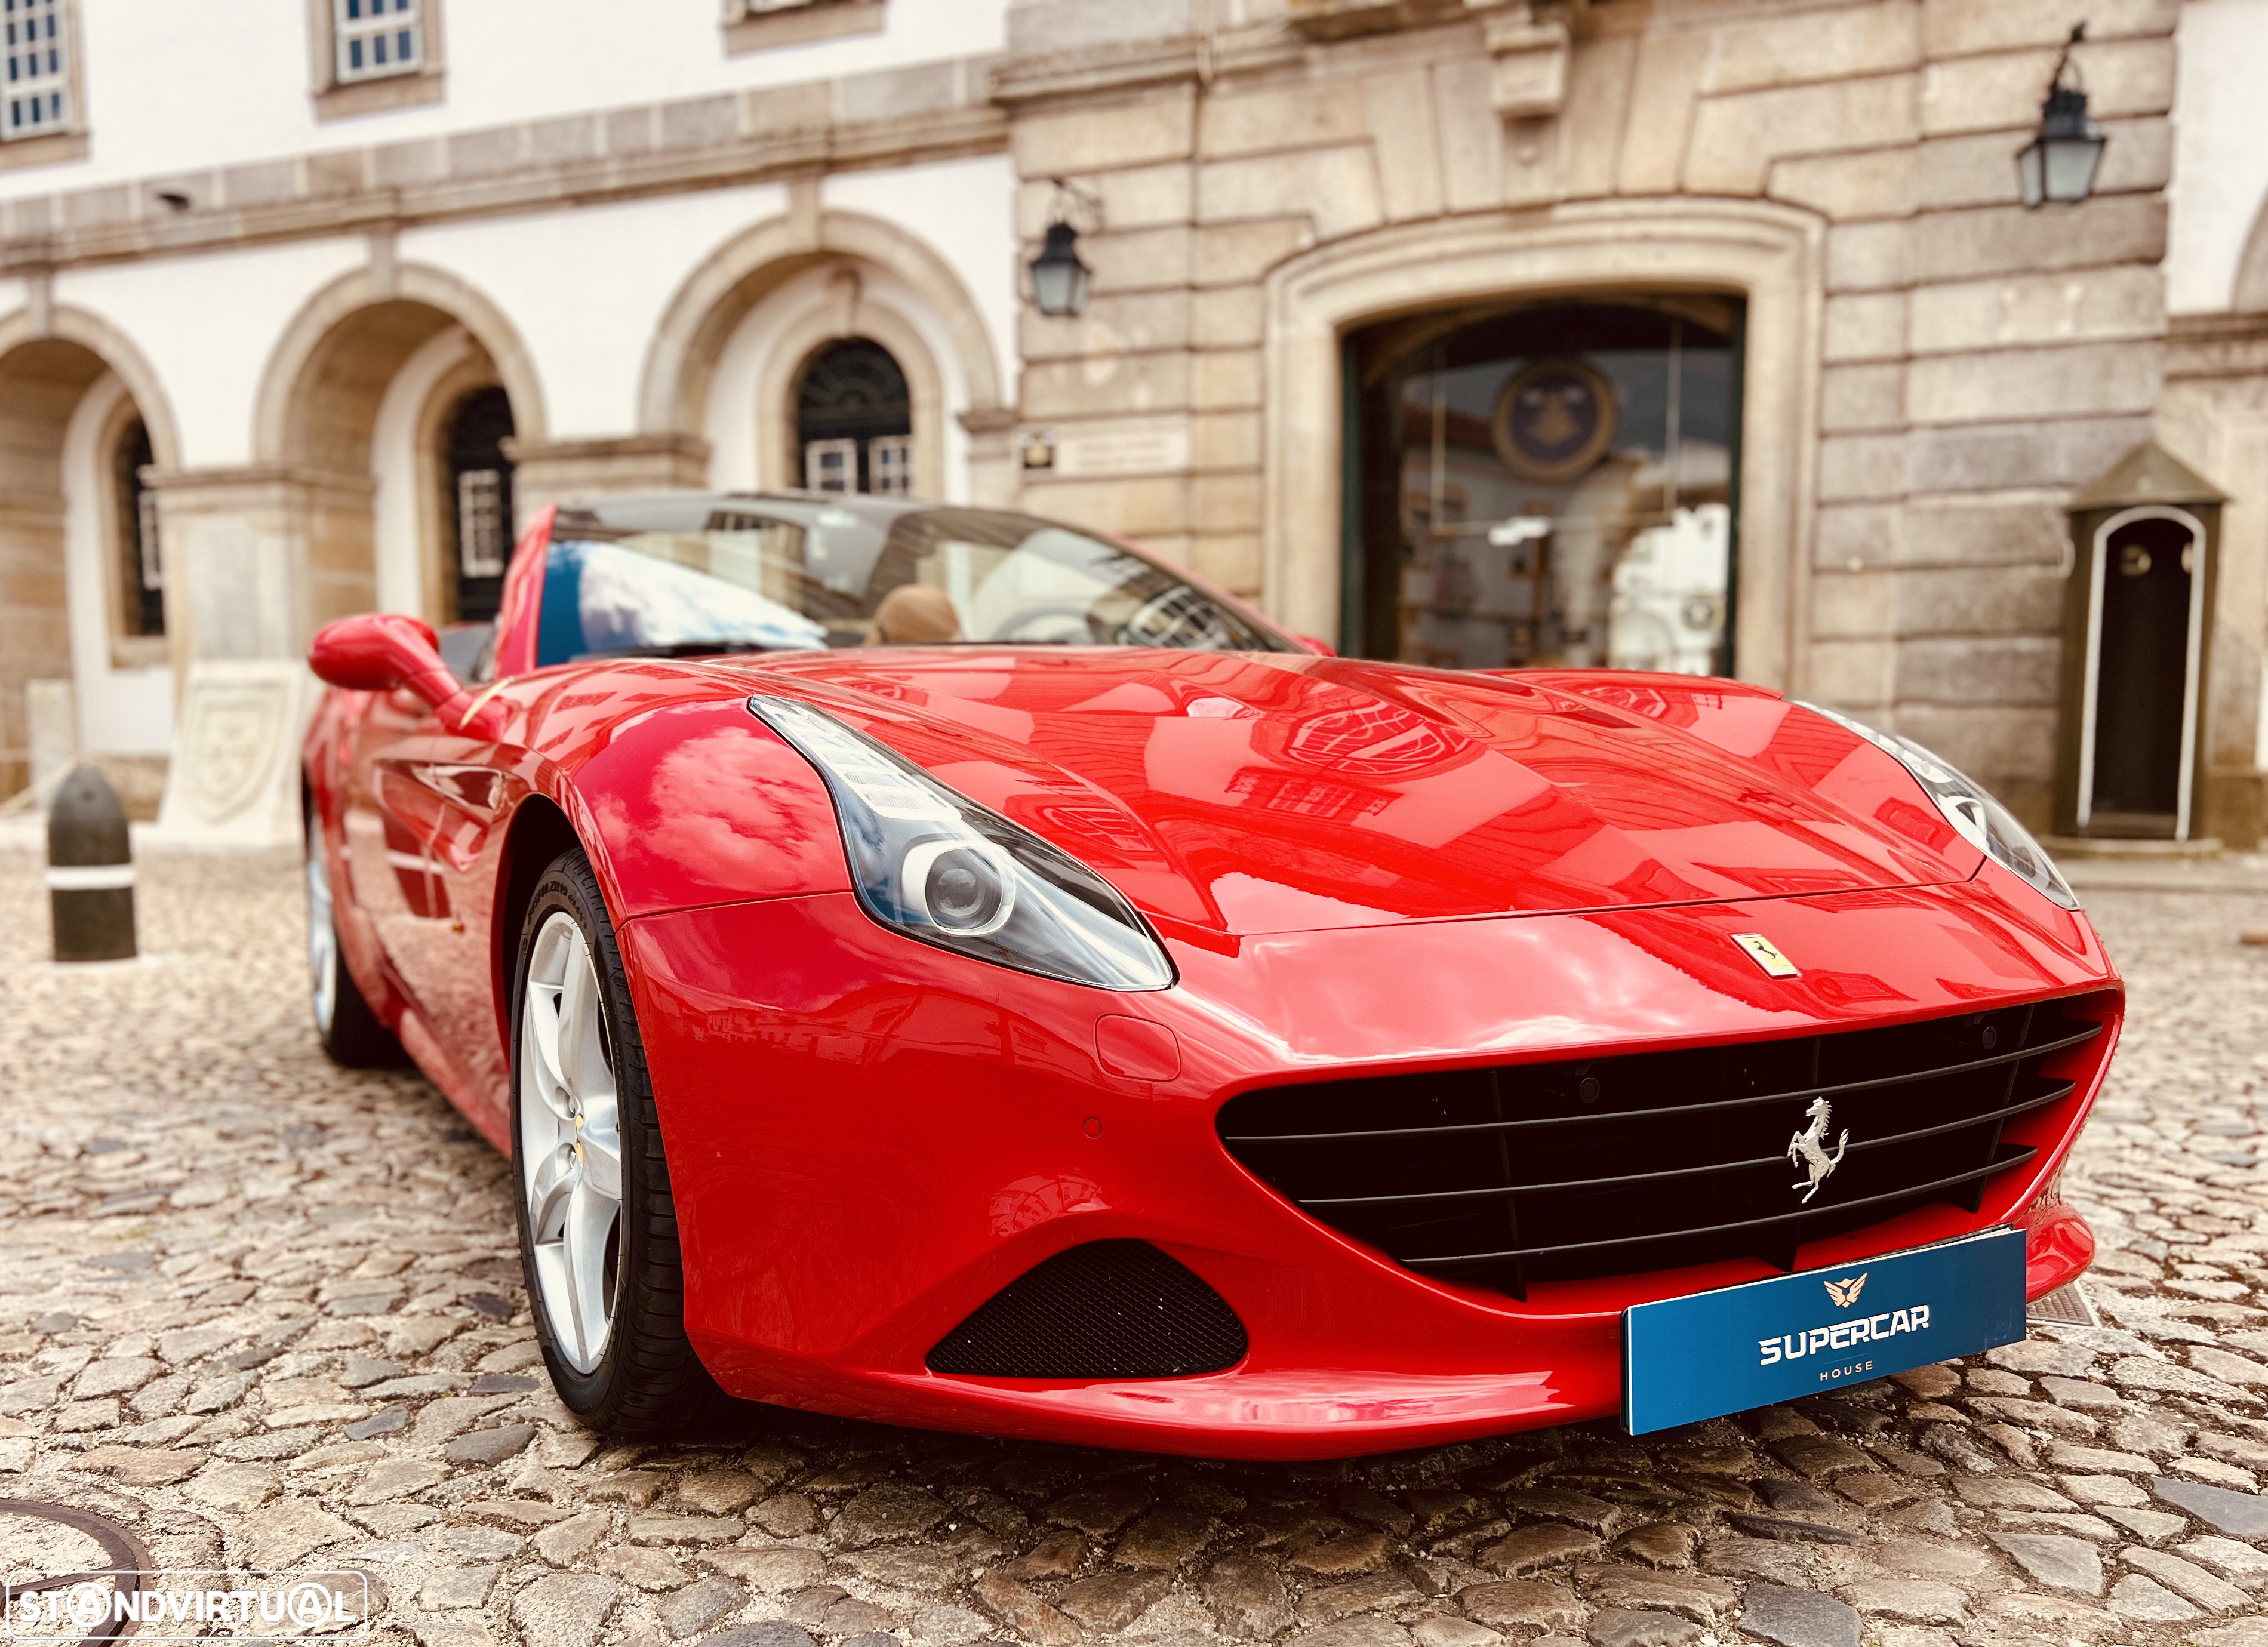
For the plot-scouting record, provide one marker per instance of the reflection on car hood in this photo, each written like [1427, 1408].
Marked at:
[1244, 793]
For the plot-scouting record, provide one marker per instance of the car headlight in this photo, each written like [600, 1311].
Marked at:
[1982, 821]
[935, 866]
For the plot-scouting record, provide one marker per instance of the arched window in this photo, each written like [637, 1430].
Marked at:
[854, 420]
[142, 573]
[479, 501]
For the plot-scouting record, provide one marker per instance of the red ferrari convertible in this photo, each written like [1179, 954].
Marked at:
[942, 967]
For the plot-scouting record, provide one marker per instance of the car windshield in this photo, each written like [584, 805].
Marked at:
[777, 574]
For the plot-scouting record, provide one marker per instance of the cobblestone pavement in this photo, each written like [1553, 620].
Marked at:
[265, 1312]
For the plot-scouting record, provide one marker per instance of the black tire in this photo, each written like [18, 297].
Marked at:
[351, 1034]
[648, 1380]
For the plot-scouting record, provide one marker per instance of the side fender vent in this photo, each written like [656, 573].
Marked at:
[1106, 1310]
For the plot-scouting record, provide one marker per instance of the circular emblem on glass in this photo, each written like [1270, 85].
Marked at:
[1554, 420]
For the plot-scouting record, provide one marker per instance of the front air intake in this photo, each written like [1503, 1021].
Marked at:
[1106, 1310]
[1606, 1167]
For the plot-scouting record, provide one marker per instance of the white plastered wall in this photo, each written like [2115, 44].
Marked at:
[734, 416]
[207, 325]
[120, 711]
[397, 510]
[965, 210]
[586, 289]
[153, 68]
[2220, 149]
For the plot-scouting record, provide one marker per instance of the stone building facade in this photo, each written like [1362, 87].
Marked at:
[2214, 414]
[1673, 333]
[1930, 370]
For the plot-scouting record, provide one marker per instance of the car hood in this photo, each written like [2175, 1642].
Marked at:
[1244, 793]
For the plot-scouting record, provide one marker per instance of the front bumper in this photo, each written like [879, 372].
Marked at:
[868, 1138]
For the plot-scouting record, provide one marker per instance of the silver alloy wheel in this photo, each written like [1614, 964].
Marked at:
[570, 1151]
[322, 935]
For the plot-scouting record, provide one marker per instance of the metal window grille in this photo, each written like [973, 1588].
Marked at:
[890, 465]
[38, 69]
[153, 565]
[830, 466]
[480, 523]
[376, 37]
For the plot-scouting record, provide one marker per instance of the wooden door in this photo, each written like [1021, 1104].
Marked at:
[2145, 671]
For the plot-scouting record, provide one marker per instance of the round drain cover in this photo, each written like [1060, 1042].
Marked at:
[60, 1547]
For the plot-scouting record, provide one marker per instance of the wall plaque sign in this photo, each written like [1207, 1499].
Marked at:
[1132, 445]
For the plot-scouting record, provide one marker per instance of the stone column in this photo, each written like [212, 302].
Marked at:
[35, 639]
[257, 559]
[992, 465]
[564, 471]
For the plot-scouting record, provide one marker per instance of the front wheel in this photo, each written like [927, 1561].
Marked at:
[598, 1225]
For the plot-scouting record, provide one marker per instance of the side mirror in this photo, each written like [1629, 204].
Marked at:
[377, 651]
[1322, 649]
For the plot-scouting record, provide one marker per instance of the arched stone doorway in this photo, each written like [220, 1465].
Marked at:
[368, 438]
[83, 656]
[735, 349]
[1769, 255]
[381, 427]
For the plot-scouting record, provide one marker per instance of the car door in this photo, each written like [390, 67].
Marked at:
[461, 788]
[385, 864]
[421, 800]
[447, 789]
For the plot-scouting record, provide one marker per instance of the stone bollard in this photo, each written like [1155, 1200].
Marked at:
[90, 871]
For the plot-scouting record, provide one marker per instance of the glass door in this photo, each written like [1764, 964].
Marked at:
[1549, 486]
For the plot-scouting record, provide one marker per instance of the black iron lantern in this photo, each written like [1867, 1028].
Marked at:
[1059, 279]
[2059, 164]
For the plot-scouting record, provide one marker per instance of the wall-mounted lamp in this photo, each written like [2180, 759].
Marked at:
[1059, 279]
[2059, 164]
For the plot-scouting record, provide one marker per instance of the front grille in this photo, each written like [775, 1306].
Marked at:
[1602, 1167]
[1106, 1310]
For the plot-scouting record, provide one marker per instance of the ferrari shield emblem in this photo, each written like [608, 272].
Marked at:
[1766, 954]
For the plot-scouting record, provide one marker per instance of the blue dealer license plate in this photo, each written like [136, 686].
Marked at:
[1712, 1353]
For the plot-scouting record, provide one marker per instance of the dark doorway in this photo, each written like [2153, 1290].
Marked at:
[479, 501]
[1547, 484]
[142, 574]
[2144, 682]
[854, 420]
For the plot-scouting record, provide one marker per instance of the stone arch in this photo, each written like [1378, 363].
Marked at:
[2251, 292]
[700, 318]
[1770, 255]
[327, 399]
[849, 311]
[49, 364]
[408, 441]
[307, 358]
[66, 323]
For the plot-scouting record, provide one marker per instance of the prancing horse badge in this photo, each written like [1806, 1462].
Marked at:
[1766, 954]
